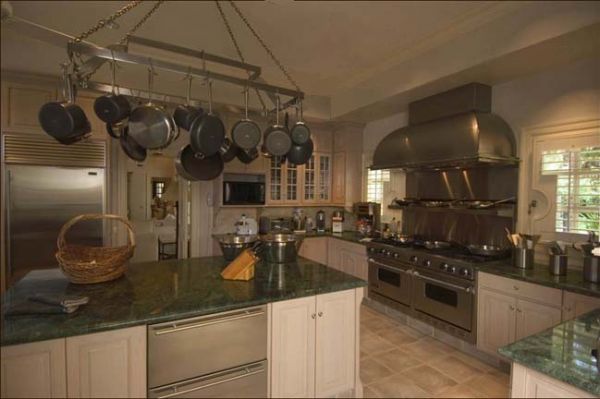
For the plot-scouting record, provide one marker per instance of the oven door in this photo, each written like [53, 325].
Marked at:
[450, 300]
[392, 282]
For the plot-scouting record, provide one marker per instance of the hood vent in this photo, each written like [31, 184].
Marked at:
[451, 129]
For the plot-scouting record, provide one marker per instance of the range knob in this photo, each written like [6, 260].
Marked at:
[452, 269]
[413, 259]
[388, 253]
[464, 272]
[444, 267]
[382, 251]
[426, 263]
[372, 250]
[396, 255]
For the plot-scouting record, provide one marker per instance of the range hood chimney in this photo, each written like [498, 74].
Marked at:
[452, 129]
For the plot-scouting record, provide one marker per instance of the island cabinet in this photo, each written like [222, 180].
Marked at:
[575, 305]
[34, 370]
[348, 257]
[314, 346]
[509, 310]
[106, 364]
[528, 383]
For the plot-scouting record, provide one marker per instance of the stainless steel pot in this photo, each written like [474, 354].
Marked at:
[280, 248]
[232, 245]
[591, 269]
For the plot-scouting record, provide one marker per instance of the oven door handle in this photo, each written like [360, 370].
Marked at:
[469, 289]
[390, 268]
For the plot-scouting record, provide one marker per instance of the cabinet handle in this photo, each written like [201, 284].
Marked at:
[313, 315]
[320, 314]
[511, 307]
[519, 310]
[516, 288]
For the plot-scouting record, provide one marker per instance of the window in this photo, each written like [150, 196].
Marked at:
[375, 183]
[158, 188]
[577, 174]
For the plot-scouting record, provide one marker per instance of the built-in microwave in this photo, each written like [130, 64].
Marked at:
[243, 189]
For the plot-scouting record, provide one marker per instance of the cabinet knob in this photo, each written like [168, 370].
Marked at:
[320, 314]
[313, 315]
[511, 307]
[516, 288]
[519, 310]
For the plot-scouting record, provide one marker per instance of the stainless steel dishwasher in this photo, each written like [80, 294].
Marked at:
[217, 356]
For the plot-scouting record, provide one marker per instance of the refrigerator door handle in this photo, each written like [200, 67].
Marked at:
[7, 229]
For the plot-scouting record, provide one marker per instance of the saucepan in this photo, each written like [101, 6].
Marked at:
[112, 108]
[207, 131]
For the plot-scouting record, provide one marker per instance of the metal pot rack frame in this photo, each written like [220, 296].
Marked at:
[99, 55]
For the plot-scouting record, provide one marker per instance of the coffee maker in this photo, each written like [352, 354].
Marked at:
[320, 221]
[368, 217]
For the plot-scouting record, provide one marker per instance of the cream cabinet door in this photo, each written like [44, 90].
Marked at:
[338, 190]
[495, 320]
[315, 249]
[107, 364]
[335, 343]
[21, 105]
[534, 317]
[575, 305]
[293, 348]
[34, 370]
[353, 263]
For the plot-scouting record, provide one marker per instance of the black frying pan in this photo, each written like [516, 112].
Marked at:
[193, 166]
[246, 133]
[207, 132]
[247, 156]
[114, 131]
[300, 154]
[65, 121]
[300, 132]
[228, 150]
[131, 148]
[184, 115]
[277, 140]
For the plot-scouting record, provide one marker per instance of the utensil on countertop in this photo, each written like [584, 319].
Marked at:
[65, 121]
[557, 264]
[509, 236]
[246, 133]
[207, 131]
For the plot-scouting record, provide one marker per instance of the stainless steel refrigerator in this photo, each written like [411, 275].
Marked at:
[39, 200]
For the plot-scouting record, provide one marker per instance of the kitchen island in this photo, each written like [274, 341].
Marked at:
[557, 362]
[167, 291]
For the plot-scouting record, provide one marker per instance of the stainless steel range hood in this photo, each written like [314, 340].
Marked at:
[451, 129]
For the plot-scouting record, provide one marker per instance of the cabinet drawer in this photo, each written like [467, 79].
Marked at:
[517, 288]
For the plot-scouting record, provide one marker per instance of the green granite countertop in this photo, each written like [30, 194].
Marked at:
[573, 281]
[563, 352]
[155, 292]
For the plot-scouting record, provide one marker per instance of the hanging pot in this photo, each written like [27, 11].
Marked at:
[246, 133]
[192, 166]
[300, 154]
[228, 150]
[115, 130]
[130, 147]
[247, 156]
[207, 131]
[112, 108]
[150, 125]
[184, 115]
[300, 132]
[277, 138]
[65, 121]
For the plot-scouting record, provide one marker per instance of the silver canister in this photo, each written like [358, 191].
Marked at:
[523, 258]
[591, 269]
[558, 265]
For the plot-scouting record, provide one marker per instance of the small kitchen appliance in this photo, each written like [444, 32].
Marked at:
[246, 226]
[320, 221]
[337, 221]
[368, 215]
[299, 221]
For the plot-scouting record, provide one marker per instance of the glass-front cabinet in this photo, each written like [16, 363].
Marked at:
[300, 184]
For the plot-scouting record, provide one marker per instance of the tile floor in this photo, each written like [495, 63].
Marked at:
[400, 362]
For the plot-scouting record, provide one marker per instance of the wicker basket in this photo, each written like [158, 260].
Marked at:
[87, 265]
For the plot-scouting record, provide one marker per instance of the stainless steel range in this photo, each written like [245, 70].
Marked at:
[436, 286]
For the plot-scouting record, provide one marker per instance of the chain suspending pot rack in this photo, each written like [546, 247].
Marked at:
[209, 147]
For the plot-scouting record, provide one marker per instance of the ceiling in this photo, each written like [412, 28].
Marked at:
[329, 48]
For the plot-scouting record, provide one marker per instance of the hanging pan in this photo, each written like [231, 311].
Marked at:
[300, 132]
[65, 121]
[277, 138]
[112, 108]
[192, 166]
[184, 115]
[246, 133]
[247, 156]
[130, 147]
[150, 125]
[228, 150]
[299, 154]
[207, 131]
